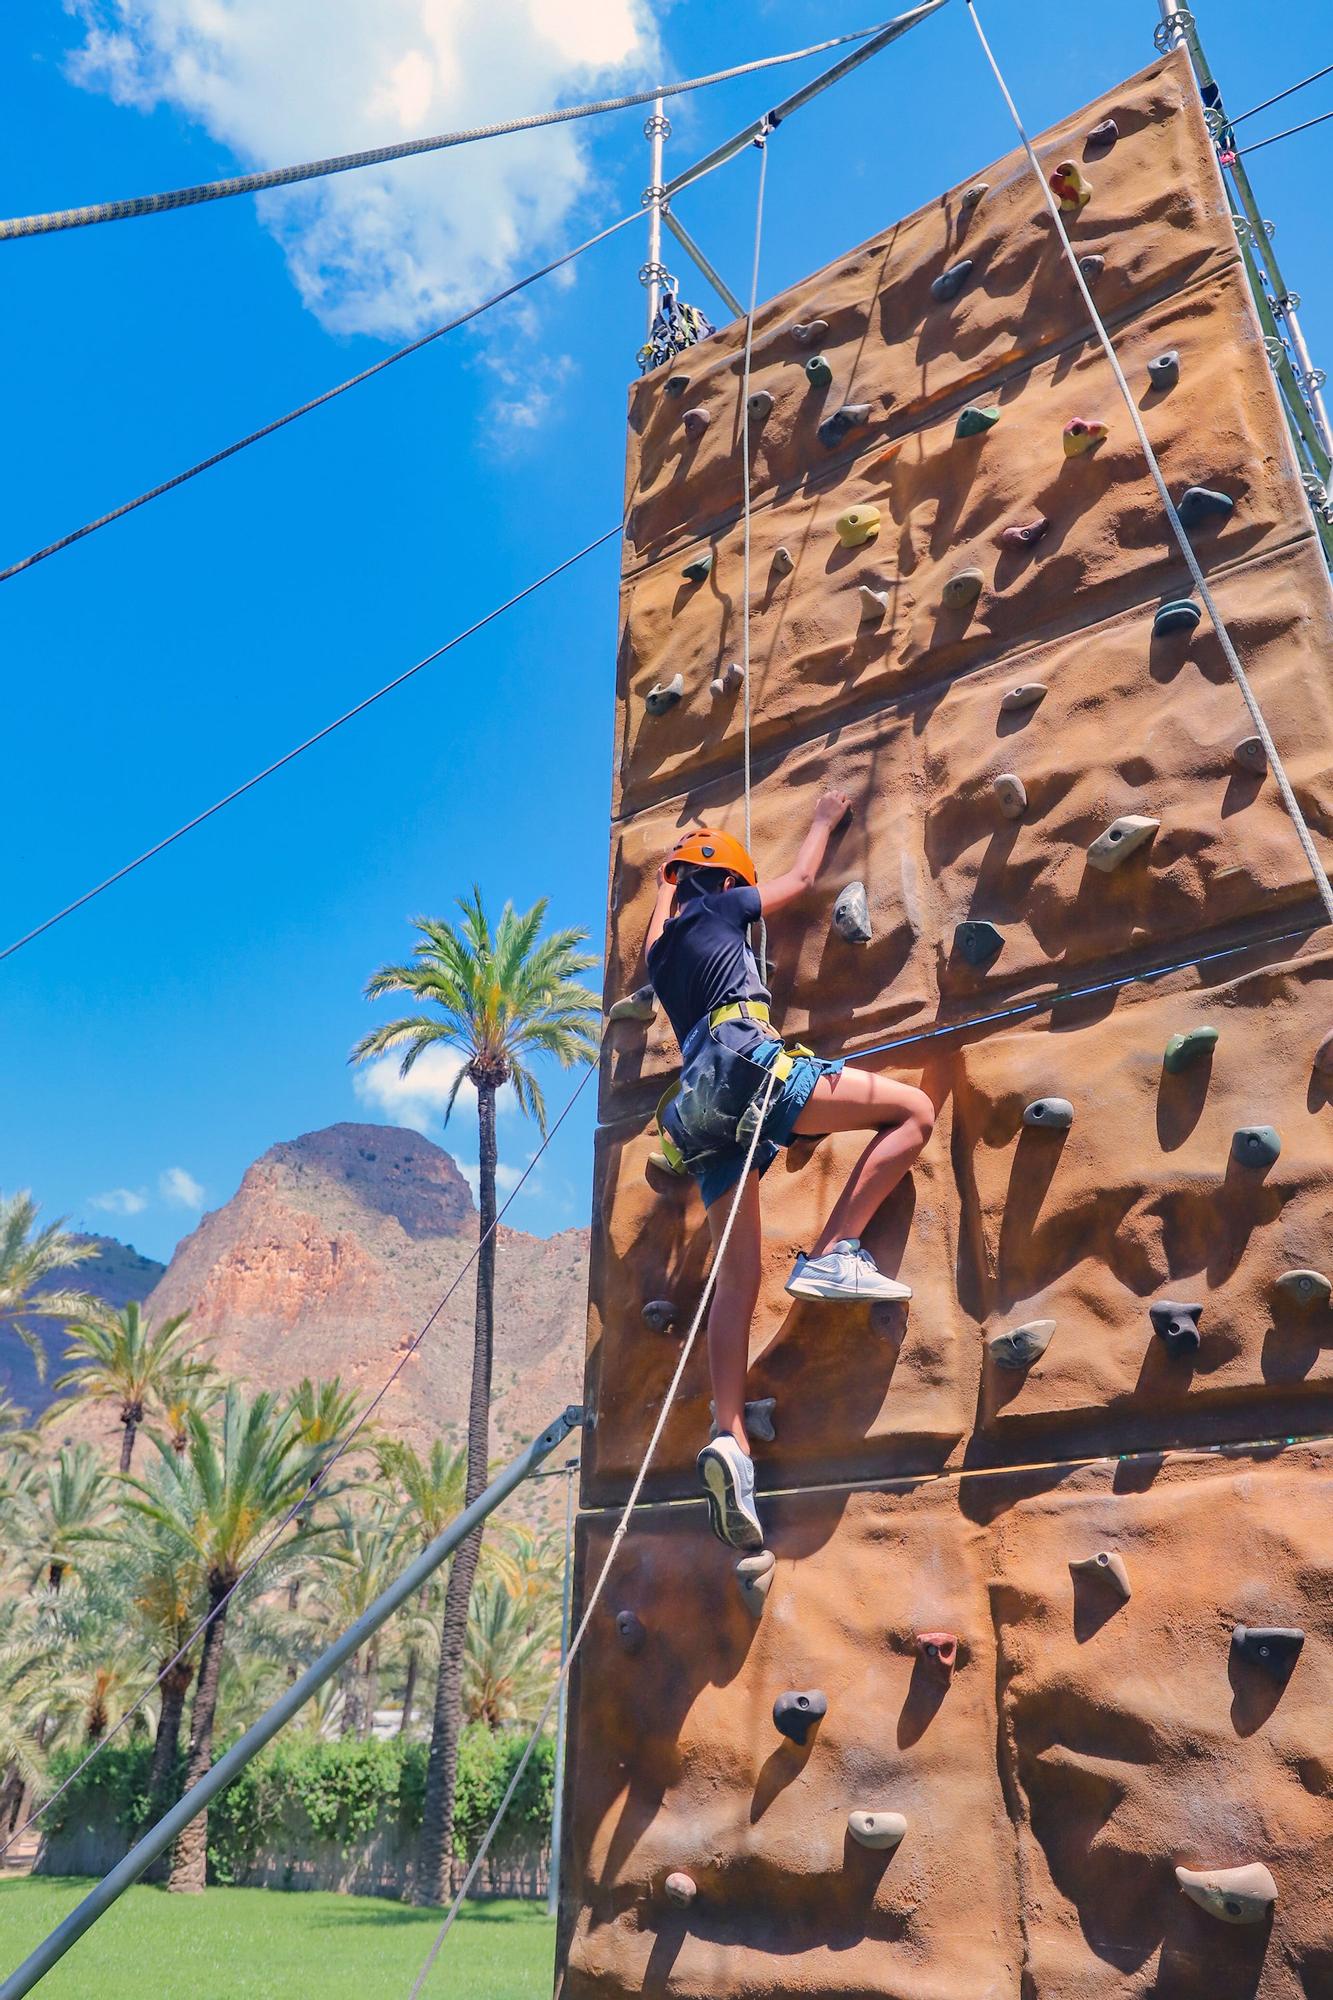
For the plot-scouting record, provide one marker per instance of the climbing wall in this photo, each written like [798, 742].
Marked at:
[1045, 1538]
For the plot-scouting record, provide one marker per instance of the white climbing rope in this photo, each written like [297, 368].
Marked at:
[761, 142]
[621, 1530]
[1238, 673]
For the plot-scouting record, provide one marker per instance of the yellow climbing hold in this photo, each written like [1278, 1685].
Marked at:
[1069, 188]
[857, 525]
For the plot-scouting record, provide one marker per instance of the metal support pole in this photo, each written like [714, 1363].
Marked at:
[158, 1838]
[562, 1712]
[691, 249]
[656, 130]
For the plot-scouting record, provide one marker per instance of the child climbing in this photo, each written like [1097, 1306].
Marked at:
[705, 975]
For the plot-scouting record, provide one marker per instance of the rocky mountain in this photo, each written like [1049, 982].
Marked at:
[117, 1273]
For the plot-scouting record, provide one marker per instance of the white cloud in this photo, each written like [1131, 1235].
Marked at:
[506, 1178]
[386, 250]
[179, 1189]
[120, 1201]
[418, 1099]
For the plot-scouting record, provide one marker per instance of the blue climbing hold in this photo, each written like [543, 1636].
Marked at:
[1199, 506]
[950, 283]
[849, 418]
[1179, 614]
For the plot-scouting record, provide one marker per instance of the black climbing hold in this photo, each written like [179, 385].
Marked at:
[849, 418]
[1255, 1145]
[1275, 1648]
[817, 372]
[1092, 268]
[1175, 1324]
[1179, 614]
[1105, 134]
[631, 1631]
[676, 385]
[695, 422]
[1056, 1114]
[1164, 369]
[978, 942]
[950, 283]
[1198, 505]
[696, 571]
[659, 1315]
[1183, 1051]
[797, 1714]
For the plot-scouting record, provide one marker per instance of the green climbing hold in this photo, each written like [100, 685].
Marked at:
[1255, 1145]
[1178, 614]
[1195, 1045]
[962, 590]
[817, 372]
[1200, 506]
[978, 942]
[699, 569]
[1306, 1288]
[974, 421]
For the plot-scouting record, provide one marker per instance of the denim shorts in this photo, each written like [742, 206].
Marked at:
[790, 1097]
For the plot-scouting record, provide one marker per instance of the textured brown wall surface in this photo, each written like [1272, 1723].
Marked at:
[1085, 1747]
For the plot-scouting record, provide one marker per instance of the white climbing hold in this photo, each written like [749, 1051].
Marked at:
[851, 914]
[1011, 793]
[1236, 1895]
[1123, 837]
[1026, 695]
[876, 1829]
[640, 1005]
[680, 1889]
[664, 695]
[874, 603]
[784, 562]
[754, 1574]
[728, 680]
[1110, 1567]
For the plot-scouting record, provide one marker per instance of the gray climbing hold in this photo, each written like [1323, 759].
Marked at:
[1026, 695]
[1184, 1050]
[874, 603]
[784, 562]
[1176, 1325]
[630, 1631]
[1109, 1567]
[695, 422]
[1022, 1345]
[664, 695]
[1011, 793]
[938, 1650]
[1053, 1114]
[1026, 537]
[676, 385]
[696, 571]
[727, 682]
[977, 192]
[1305, 1288]
[1092, 268]
[1164, 369]
[817, 372]
[680, 1889]
[978, 942]
[1199, 506]
[1104, 134]
[1178, 614]
[758, 1417]
[950, 283]
[796, 1714]
[851, 914]
[659, 1315]
[807, 335]
[876, 1829]
[1275, 1648]
[754, 1574]
[758, 406]
[1255, 1145]
[849, 418]
[974, 420]
[1250, 754]
[1236, 1895]
[640, 1005]
[962, 589]
[1123, 837]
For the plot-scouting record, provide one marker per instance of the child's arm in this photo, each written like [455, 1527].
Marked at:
[666, 895]
[786, 889]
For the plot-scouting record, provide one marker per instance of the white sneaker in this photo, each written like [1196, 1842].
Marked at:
[844, 1272]
[728, 1479]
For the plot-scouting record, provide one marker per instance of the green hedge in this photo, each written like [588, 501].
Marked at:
[307, 1790]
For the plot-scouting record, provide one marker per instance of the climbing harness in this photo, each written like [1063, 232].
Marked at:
[676, 327]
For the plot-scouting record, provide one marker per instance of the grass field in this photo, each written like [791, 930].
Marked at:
[261, 1944]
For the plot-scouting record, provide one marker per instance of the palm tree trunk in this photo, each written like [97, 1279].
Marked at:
[189, 1860]
[437, 1819]
[409, 1690]
[166, 1747]
[127, 1441]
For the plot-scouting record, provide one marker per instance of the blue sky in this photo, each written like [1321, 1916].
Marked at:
[160, 1039]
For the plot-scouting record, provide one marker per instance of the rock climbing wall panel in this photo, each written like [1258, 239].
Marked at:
[958, 1740]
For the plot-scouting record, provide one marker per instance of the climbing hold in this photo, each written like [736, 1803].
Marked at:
[1275, 1648]
[1110, 1567]
[754, 1574]
[1104, 134]
[974, 420]
[950, 283]
[1070, 189]
[631, 1631]
[962, 590]
[851, 914]
[1011, 792]
[874, 603]
[1026, 695]
[1022, 1345]
[1184, 1050]
[1055, 1114]
[1323, 1055]
[697, 570]
[680, 1890]
[660, 698]
[797, 1714]
[676, 385]
[1027, 537]
[1092, 268]
[659, 1315]
[728, 680]
[807, 335]
[1123, 837]
[939, 1650]
[1236, 1895]
[758, 406]
[977, 942]
[1200, 505]
[1250, 754]
[876, 1829]
[1177, 614]
[1164, 369]
[758, 1417]
[640, 1005]
[1082, 434]
[1306, 1288]
[1255, 1145]
[784, 562]
[1175, 1324]
[817, 372]
[849, 418]
[695, 422]
[857, 525]
[977, 192]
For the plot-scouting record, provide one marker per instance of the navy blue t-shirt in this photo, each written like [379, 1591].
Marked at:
[703, 959]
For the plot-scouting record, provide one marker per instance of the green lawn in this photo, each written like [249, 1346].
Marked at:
[261, 1944]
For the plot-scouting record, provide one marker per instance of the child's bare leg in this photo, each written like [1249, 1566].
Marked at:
[851, 1101]
[735, 1296]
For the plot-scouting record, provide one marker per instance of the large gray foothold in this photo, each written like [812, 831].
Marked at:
[1250, 754]
[1176, 1324]
[754, 1574]
[1274, 1648]
[874, 603]
[796, 1714]
[813, 330]
[1022, 1345]
[876, 1829]
[1026, 695]
[1011, 793]
[849, 418]
[978, 942]
[1123, 837]
[694, 423]
[1164, 369]
[758, 406]
[630, 1631]
[784, 562]
[664, 695]
[640, 1005]
[1055, 1114]
[659, 1315]
[950, 283]
[680, 1889]
[851, 914]
[1236, 1895]
[1255, 1146]
[1109, 1567]
[1305, 1288]
[758, 1417]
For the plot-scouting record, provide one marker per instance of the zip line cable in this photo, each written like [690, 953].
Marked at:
[1290, 133]
[761, 142]
[1289, 92]
[324, 1469]
[1230, 654]
[621, 1530]
[342, 163]
[289, 756]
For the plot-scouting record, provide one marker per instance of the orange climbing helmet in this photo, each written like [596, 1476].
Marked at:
[706, 847]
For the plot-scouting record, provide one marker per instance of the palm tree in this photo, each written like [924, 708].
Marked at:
[510, 1655]
[219, 1502]
[28, 1257]
[499, 999]
[61, 1511]
[359, 1558]
[432, 1488]
[162, 1576]
[122, 1358]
